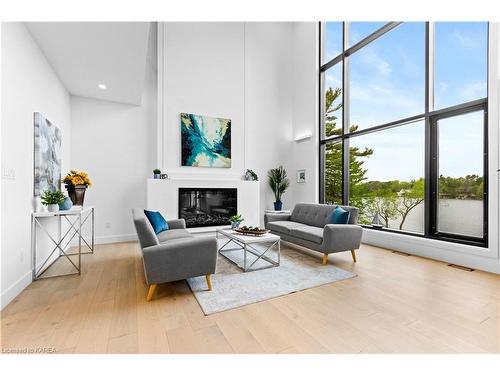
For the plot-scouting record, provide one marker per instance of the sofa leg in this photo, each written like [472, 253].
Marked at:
[151, 292]
[209, 281]
[325, 259]
[353, 253]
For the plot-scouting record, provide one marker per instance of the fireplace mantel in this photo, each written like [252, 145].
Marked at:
[163, 196]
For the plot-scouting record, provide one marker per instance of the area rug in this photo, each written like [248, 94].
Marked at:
[234, 288]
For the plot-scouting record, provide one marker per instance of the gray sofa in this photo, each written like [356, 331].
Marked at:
[174, 254]
[309, 226]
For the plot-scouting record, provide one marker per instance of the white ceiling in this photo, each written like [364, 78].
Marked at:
[85, 54]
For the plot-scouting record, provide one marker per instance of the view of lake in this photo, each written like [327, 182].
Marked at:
[461, 216]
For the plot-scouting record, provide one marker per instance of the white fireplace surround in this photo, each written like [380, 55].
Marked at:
[163, 196]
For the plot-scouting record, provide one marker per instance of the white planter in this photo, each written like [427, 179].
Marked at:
[53, 208]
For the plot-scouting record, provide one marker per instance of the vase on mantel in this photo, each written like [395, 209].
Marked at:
[76, 194]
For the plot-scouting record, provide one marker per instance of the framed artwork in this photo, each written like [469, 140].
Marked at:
[301, 176]
[205, 141]
[47, 163]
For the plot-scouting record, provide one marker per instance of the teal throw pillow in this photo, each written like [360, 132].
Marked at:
[157, 221]
[340, 216]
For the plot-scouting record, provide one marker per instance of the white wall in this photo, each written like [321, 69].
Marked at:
[305, 109]
[234, 70]
[28, 85]
[116, 144]
[268, 105]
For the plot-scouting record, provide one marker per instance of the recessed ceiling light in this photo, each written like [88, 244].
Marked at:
[102, 86]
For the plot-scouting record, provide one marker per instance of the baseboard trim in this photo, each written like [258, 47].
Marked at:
[117, 238]
[15, 289]
[437, 250]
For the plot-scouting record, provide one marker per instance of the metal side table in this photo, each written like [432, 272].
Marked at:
[76, 219]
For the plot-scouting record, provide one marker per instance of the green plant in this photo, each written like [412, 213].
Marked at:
[156, 171]
[278, 181]
[236, 218]
[52, 197]
[253, 174]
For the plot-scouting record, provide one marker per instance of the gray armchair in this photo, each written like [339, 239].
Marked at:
[174, 254]
[309, 226]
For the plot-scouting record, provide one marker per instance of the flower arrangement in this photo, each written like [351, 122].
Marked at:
[74, 178]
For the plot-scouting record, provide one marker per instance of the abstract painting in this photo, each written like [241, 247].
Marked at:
[47, 156]
[206, 141]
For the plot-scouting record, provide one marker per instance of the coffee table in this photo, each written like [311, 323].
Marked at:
[258, 246]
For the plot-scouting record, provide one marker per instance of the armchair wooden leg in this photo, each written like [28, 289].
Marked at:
[209, 281]
[151, 292]
[353, 253]
[325, 259]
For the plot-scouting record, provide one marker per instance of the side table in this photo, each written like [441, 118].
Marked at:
[76, 219]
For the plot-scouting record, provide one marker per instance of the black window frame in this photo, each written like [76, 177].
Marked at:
[430, 118]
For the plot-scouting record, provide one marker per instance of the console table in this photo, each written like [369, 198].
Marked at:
[76, 219]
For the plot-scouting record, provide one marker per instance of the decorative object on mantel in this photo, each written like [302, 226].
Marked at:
[235, 221]
[250, 176]
[47, 171]
[279, 182]
[301, 176]
[52, 199]
[156, 173]
[76, 185]
[205, 141]
[164, 176]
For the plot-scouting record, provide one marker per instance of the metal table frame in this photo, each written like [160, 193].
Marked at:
[75, 229]
[246, 245]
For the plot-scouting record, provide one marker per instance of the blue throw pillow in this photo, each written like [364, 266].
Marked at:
[157, 221]
[340, 216]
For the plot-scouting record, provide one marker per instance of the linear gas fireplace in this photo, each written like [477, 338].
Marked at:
[202, 207]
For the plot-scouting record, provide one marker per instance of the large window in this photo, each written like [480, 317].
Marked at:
[404, 126]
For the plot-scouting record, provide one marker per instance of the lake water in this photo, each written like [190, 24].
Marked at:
[459, 216]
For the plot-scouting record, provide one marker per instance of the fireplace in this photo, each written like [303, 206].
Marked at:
[202, 207]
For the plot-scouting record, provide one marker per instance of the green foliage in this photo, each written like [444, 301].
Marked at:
[156, 171]
[236, 218]
[52, 197]
[278, 181]
[468, 187]
[333, 153]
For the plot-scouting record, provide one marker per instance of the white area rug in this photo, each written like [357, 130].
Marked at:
[234, 288]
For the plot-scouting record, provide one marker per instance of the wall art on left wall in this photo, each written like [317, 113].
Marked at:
[47, 155]
[205, 141]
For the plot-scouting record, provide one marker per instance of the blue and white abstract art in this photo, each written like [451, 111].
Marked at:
[205, 141]
[47, 156]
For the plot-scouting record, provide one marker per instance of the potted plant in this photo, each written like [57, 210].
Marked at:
[251, 175]
[76, 185]
[235, 221]
[52, 199]
[279, 182]
[156, 173]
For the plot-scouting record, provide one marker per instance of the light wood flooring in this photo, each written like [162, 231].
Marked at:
[397, 304]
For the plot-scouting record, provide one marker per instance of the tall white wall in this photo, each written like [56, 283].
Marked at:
[28, 85]
[268, 105]
[116, 144]
[234, 70]
[305, 109]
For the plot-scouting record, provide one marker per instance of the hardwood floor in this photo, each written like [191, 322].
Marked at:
[397, 304]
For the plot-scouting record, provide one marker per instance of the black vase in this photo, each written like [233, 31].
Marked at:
[76, 194]
[278, 205]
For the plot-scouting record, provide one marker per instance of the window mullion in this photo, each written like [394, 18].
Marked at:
[345, 118]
